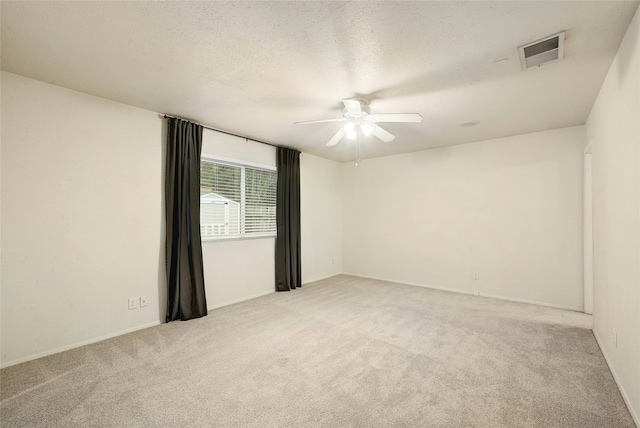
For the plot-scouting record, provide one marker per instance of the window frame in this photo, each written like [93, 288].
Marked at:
[242, 165]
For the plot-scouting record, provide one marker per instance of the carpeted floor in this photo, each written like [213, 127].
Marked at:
[343, 352]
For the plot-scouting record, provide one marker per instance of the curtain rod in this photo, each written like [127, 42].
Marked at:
[221, 131]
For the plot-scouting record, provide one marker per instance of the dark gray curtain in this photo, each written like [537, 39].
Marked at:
[185, 278]
[288, 267]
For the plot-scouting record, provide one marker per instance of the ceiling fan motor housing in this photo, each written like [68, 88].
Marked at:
[364, 115]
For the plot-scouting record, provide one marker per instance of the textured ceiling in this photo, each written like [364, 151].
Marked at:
[254, 68]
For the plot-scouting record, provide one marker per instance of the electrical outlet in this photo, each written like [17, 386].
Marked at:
[476, 275]
[615, 339]
[143, 302]
[333, 260]
[132, 303]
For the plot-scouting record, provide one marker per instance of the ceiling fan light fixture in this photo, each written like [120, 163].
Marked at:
[367, 129]
[352, 134]
[349, 128]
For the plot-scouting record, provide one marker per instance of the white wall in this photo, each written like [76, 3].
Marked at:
[239, 269]
[227, 278]
[321, 214]
[613, 129]
[81, 218]
[509, 209]
[0, 223]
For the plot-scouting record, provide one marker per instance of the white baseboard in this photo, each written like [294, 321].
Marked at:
[242, 299]
[533, 302]
[310, 281]
[79, 344]
[117, 333]
[263, 293]
[455, 290]
[625, 397]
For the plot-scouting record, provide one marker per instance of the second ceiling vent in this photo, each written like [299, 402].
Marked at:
[542, 51]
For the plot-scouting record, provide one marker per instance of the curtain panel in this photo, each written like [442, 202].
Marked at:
[185, 274]
[287, 256]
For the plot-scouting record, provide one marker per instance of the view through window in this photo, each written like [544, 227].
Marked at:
[236, 200]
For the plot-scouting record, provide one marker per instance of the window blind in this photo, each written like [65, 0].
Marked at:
[236, 200]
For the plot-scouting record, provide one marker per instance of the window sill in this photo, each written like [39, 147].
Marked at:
[206, 240]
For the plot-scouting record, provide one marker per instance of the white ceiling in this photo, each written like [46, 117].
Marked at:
[254, 68]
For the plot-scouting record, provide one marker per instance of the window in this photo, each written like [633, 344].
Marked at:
[236, 200]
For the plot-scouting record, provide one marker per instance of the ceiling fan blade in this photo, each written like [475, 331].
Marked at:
[342, 119]
[333, 141]
[353, 106]
[397, 117]
[382, 134]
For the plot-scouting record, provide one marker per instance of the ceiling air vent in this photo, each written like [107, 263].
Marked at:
[542, 51]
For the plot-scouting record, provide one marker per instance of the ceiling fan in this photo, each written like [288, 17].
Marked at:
[357, 116]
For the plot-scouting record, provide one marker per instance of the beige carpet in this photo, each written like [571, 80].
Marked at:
[344, 352]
